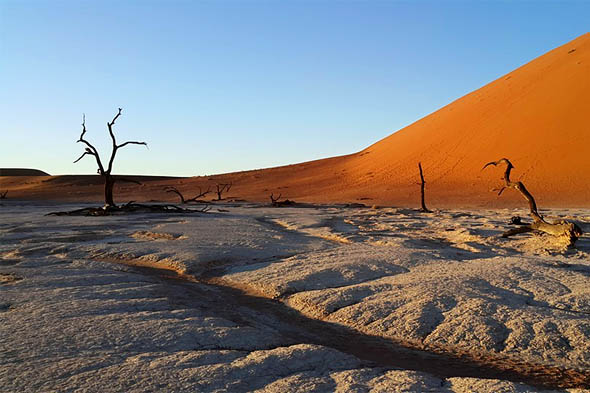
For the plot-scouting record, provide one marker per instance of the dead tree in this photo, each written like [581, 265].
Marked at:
[568, 230]
[109, 179]
[275, 202]
[422, 183]
[191, 200]
[3, 194]
[221, 188]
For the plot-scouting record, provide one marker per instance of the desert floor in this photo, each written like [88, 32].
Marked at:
[313, 299]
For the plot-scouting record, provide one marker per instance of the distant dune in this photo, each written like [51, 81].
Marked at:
[537, 116]
[22, 172]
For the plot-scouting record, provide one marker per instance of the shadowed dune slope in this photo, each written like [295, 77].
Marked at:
[538, 116]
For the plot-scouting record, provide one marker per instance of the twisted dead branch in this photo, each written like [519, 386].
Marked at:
[567, 230]
[190, 200]
[109, 180]
[3, 194]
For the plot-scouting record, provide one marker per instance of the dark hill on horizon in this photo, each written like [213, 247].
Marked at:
[22, 172]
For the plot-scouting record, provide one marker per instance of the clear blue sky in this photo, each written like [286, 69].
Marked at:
[222, 86]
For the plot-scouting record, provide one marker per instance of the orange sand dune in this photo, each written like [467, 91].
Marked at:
[538, 116]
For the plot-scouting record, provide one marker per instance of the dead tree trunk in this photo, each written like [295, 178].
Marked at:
[570, 231]
[109, 179]
[422, 183]
[3, 194]
[109, 184]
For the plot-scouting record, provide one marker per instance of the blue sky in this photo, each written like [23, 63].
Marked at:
[222, 86]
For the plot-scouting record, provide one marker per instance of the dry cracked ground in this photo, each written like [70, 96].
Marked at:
[317, 299]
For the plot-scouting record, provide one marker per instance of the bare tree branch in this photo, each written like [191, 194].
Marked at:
[201, 194]
[112, 123]
[87, 152]
[175, 190]
[91, 150]
[114, 141]
[193, 199]
[83, 127]
[131, 143]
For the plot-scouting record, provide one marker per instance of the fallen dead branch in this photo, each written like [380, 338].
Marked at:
[130, 207]
[3, 194]
[190, 200]
[563, 229]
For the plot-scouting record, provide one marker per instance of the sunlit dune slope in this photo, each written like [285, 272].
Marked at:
[538, 116]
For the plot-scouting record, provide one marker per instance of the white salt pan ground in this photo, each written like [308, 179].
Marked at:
[71, 319]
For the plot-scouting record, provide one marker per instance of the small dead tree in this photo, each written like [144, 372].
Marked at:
[568, 230]
[109, 179]
[3, 194]
[275, 202]
[191, 200]
[221, 188]
[422, 183]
